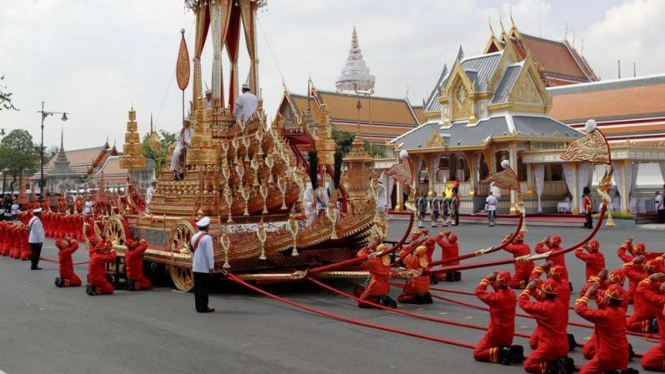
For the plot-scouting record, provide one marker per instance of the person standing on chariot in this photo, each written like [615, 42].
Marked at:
[245, 104]
[416, 289]
[523, 269]
[183, 141]
[68, 277]
[134, 263]
[496, 346]
[149, 194]
[203, 263]
[97, 282]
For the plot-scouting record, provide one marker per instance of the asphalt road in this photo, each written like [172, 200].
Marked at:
[44, 329]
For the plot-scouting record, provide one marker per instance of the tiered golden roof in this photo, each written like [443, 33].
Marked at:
[133, 153]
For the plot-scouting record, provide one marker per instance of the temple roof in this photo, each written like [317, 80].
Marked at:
[460, 134]
[83, 161]
[635, 105]
[506, 84]
[480, 69]
[113, 173]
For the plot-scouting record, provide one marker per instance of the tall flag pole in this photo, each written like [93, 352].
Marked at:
[182, 69]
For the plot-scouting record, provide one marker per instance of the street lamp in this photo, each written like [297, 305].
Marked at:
[41, 149]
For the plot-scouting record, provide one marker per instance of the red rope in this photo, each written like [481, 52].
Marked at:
[494, 249]
[348, 320]
[56, 262]
[360, 259]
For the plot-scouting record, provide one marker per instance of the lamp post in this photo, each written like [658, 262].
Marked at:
[41, 149]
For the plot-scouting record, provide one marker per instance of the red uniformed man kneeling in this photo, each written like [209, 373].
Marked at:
[97, 282]
[550, 314]
[67, 276]
[377, 291]
[496, 346]
[610, 330]
[416, 289]
[134, 262]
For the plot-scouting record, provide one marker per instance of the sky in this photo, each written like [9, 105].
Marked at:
[97, 58]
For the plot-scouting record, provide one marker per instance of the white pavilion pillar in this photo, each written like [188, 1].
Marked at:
[576, 190]
[625, 187]
[512, 158]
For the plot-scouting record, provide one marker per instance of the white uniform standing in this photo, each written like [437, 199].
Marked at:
[36, 238]
[491, 202]
[203, 263]
[245, 104]
[183, 141]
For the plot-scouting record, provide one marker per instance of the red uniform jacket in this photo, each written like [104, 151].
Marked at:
[635, 275]
[65, 264]
[648, 300]
[628, 257]
[522, 269]
[378, 285]
[448, 250]
[557, 260]
[419, 284]
[502, 311]
[551, 318]
[610, 335]
[97, 267]
[587, 204]
[595, 262]
[134, 261]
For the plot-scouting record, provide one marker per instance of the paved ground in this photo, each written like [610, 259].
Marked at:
[44, 329]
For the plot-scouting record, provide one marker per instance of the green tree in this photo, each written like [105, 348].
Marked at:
[344, 140]
[158, 155]
[5, 97]
[18, 155]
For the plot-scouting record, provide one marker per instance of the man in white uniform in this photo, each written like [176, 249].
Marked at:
[183, 141]
[245, 104]
[660, 206]
[380, 196]
[490, 205]
[88, 205]
[203, 263]
[36, 238]
[148, 194]
[308, 201]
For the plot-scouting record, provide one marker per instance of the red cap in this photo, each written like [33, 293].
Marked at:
[503, 279]
[653, 266]
[593, 246]
[616, 292]
[556, 240]
[550, 287]
[640, 248]
[452, 238]
[617, 276]
[557, 271]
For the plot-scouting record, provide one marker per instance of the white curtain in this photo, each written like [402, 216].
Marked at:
[662, 169]
[539, 175]
[618, 181]
[568, 172]
[584, 174]
[634, 167]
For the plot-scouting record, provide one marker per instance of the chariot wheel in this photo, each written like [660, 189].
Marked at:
[179, 239]
[115, 230]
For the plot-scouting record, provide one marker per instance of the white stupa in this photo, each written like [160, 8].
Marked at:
[355, 75]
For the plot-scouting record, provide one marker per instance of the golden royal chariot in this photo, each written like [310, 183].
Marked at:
[248, 177]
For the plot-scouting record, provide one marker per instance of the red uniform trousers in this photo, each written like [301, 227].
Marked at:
[501, 325]
[643, 309]
[552, 336]
[134, 263]
[522, 269]
[654, 359]
[595, 262]
[609, 336]
[66, 265]
[97, 272]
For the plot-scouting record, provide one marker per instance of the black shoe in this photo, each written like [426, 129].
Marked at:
[562, 365]
[387, 301]
[571, 287]
[427, 298]
[458, 276]
[35, 268]
[516, 354]
[450, 276]
[654, 326]
[209, 310]
[504, 356]
[631, 353]
[58, 282]
[130, 286]
[433, 279]
[572, 343]
[90, 290]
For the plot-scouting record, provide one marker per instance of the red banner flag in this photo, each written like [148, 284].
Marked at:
[182, 66]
